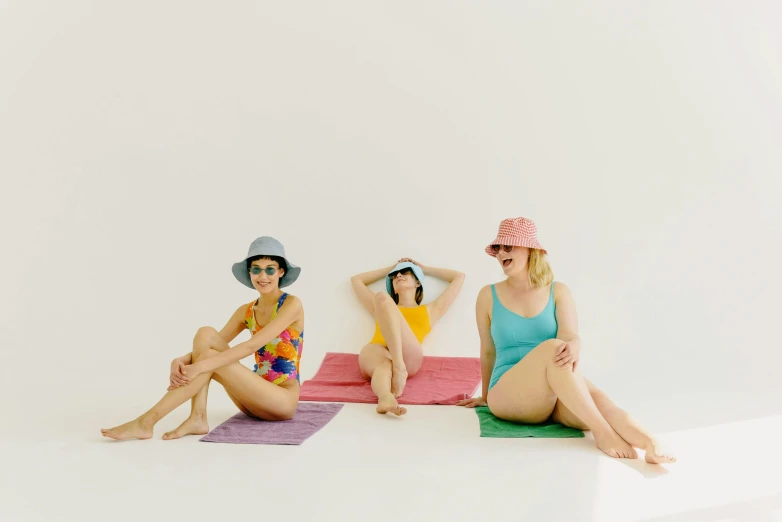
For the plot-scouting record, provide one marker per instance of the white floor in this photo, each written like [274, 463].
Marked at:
[430, 465]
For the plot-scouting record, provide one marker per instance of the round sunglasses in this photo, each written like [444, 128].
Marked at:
[495, 249]
[270, 270]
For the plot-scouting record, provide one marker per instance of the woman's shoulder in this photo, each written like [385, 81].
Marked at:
[488, 287]
[561, 290]
[291, 300]
[242, 312]
[484, 299]
[486, 291]
[244, 308]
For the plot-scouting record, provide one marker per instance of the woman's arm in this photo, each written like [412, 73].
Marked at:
[359, 283]
[288, 314]
[567, 326]
[235, 325]
[488, 350]
[442, 304]
[232, 328]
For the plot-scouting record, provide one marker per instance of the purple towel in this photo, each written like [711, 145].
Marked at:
[241, 429]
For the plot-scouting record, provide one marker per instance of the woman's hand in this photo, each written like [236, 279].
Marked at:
[568, 353]
[178, 377]
[473, 402]
[193, 370]
[190, 372]
[408, 260]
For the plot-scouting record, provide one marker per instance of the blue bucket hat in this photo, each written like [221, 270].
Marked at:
[416, 270]
[265, 246]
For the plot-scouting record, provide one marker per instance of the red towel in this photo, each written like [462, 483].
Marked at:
[441, 380]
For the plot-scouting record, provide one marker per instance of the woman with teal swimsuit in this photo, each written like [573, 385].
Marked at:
[530, 351]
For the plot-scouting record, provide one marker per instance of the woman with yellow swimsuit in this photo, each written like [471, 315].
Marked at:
[401, 324]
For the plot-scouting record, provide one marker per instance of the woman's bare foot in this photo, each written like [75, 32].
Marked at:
[388, 404]
[193, 425]
[631, 431]
[613, 445]
[655, 456]
[398, 380]
[135, 429]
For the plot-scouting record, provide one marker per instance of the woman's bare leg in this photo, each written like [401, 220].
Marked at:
[259, 397]
[141, 427]
[207, 338]
[529, 391]
[389, 367]
[254, 395]
[625, 425]
[375, 363]
[197, 424]
[405, 350]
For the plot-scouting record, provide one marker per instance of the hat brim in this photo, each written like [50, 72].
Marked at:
[243, 275]
[515, 241]
[419, 274]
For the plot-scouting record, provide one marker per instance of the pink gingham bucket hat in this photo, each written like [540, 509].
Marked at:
[518, 231]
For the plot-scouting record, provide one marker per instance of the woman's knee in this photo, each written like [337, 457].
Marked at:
[205, 335]
[550, 345]
[547, 350]
[205, 338]
[383, 299]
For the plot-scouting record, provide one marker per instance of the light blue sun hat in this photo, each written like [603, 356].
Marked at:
[419, 274]
[265, 246]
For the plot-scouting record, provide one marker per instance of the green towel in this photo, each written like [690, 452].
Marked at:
[491, 426]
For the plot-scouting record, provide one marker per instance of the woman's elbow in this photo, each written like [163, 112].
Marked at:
[488, 352]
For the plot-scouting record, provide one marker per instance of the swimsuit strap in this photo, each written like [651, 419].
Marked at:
[279, 304]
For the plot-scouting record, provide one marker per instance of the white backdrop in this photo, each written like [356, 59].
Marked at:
[144, 145]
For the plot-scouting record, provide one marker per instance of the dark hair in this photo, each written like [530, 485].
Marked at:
[280, 261]
[419, 292]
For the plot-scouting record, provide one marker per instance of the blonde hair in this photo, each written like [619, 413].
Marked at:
[540, 273]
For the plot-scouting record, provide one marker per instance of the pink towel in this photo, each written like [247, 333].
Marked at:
[441, 380]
